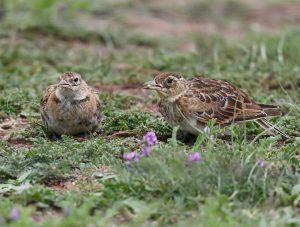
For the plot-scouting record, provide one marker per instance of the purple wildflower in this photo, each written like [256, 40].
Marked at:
[150, 139]
[261, 163]
[15, 214]
[195, 157]
[146, 151]
[131, 156]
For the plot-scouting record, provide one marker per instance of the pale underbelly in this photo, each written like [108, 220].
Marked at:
[71, 121]
[174, 117]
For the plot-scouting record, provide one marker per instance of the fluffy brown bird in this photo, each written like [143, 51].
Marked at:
[70, 107]
[190, 104]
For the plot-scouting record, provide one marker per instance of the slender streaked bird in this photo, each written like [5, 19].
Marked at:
[190, 104]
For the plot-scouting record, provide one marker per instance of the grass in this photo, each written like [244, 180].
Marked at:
[76, 182]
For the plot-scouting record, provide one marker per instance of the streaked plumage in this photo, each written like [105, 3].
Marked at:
[70, 107]
[190, 104]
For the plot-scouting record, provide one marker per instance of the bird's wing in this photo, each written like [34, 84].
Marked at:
[95, 93]
[209, 99]
[44, 100]
[47, 94]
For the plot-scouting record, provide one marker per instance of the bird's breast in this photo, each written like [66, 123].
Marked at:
[170, 112]
[69, 109]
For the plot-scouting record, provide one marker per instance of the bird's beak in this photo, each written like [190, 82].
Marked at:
[152, 85]
[64, 83]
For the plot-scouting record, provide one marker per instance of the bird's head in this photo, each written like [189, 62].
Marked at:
[169, 86]
[71, 84]
[70, 80]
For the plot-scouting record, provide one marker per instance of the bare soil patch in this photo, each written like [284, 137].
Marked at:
[9, 127]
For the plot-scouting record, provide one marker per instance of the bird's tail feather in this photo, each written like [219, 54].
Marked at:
[271, 110]
[267, 106]
[272, 128]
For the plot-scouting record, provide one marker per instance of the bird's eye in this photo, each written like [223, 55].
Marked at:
[76, 80]
[169, 81]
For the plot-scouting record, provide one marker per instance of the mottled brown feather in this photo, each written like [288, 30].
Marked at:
[218, 100]
[49, 91]
[43, 104]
